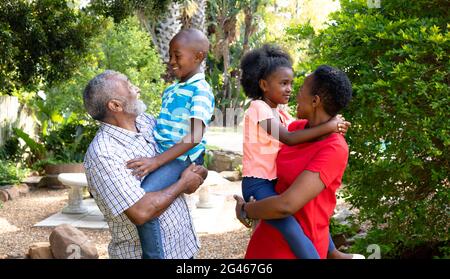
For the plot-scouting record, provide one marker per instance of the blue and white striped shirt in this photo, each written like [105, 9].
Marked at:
[182, 101]
[115, 190]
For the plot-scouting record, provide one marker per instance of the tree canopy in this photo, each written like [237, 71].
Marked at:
[40, 42]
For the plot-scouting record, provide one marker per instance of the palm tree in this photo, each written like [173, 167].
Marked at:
[180, 14]
[162, 29]
[166, 28]
[194, 14]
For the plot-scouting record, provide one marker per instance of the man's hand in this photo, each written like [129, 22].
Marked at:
[201, 170]
[339, 125]
[143, 166]
[191, 179]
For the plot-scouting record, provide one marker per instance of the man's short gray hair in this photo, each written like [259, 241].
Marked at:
[99, 91]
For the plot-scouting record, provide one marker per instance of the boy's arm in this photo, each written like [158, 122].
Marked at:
[143, 166]
[273, 128]
[187, 143]
[152, 204]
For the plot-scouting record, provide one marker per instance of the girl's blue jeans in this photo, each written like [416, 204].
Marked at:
[150, 232]
[291, 230]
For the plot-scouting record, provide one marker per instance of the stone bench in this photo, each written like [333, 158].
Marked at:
[76, 182]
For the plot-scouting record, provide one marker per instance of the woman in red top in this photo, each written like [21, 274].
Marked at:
[308, 174]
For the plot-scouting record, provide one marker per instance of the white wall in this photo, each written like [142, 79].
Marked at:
[15, 115]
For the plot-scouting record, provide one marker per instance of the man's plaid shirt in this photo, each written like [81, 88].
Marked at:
[115, 190]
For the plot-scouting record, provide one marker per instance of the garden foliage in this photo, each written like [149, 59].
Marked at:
[40, 42]
[397, 58]
[50, 49]
[124, 47]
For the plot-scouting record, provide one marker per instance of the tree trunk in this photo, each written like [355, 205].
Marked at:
[198, 20]
[149, 27]
[166, 29]
[248, 21]
[162, 31]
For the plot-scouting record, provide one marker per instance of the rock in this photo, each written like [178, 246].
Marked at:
[4, 197]
[34, 173]
[6, 226]
[236, 162]
[221, 165]
[13, 193]
[359, 235]
[23, 189]
[231, 175]
[15, 255]
[40, 250]
[224, 160]
[68, 242]
[33, 181]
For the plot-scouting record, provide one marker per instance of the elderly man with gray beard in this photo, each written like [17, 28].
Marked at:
[125, 133]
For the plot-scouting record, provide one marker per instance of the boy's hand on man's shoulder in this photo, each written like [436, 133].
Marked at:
[143, 166]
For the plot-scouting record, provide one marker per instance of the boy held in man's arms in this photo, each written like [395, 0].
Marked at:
[186, 111]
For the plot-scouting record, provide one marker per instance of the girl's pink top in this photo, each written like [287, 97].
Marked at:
[260, 148]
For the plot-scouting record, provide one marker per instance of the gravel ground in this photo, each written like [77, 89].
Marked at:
[17, 233]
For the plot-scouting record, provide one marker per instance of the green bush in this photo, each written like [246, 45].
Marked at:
[69, 143]
[348, 230]
[11, 150]
[41, 42]
[397, 58]
[10, 173]
[66, 144]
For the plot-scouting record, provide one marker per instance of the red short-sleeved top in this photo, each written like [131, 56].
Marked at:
[329, 158]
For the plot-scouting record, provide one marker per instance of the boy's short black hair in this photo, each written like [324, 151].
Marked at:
[333, 87]
[258, 64]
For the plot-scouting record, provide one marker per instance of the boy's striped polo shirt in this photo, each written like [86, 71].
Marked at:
[182, 101]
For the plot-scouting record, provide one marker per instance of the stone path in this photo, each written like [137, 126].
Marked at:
[93, 219]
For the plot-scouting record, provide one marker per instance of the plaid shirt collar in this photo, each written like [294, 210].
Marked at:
[125, 136]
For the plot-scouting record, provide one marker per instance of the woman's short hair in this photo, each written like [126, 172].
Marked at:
[333, 87]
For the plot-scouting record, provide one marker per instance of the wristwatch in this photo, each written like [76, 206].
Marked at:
[244, 215]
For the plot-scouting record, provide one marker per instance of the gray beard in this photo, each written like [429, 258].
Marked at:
[138, 107]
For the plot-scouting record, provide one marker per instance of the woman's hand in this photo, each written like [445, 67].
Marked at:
[240, 212]
[143, 166]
